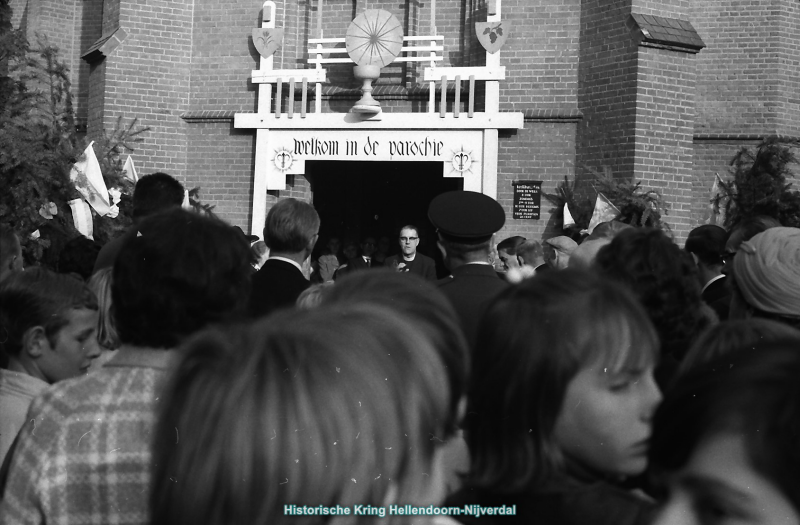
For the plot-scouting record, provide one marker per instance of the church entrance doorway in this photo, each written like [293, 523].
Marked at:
[356, 199]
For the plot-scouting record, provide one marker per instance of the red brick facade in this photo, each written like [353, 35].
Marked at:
[594, 94]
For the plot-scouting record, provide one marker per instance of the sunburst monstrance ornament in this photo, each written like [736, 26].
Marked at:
[373, 40]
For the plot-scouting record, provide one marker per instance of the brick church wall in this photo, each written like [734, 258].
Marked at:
[607, 89]
[664, 127]
[541, 81]
[748, 83]
[147, 77]
[637, 103]
[788, 51]
[591, 95]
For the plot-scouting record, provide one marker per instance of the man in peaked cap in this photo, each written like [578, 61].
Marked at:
[465, 222]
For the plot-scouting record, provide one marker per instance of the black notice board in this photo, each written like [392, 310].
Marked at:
[527, 199]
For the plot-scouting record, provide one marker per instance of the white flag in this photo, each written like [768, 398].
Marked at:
[82, 217]
[568, 220]
[717, 211]
[88, 180]
[604, 211]
[130, 171]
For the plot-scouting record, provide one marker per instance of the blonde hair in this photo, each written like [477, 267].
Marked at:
[332, 406]
[100, 284]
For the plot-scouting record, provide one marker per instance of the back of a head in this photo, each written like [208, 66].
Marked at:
[533, 340]
[38, 297]
[530, 251]
[727, 336]
[459, 250]
[155, 193]
[179, 273]
[707, 242]
[290, 226]
[428, 309]
[328, 407]
[747, 228]
[752, 393]
[663, 277]
[510, 245]
[78, 256]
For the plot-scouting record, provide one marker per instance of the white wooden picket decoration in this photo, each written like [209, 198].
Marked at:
[465, 141]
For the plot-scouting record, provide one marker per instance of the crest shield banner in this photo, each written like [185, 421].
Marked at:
[267, 40]
[492, 35]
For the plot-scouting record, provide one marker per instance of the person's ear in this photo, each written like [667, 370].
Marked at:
[311, 243]
[35, 342]
[461, 410]
[441, 249]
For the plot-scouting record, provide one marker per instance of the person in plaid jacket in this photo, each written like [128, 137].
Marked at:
[84, 454]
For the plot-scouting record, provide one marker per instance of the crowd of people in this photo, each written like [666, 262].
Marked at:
[188, 373]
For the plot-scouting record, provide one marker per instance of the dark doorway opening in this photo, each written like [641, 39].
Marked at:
[358, 199]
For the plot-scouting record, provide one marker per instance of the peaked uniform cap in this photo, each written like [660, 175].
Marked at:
[466, 216]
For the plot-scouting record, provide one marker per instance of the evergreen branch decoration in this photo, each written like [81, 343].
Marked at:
[198, 205]
[39, 144]
[759, 183]
[580, 207]
[638, 207]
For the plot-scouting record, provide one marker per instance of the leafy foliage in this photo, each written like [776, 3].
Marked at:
[39, 145]
[580, 207]
[637, 206]
[760, 186]
[197, 205]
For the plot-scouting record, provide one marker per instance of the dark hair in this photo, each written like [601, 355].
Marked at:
[728, 336]
[707, 242]
[465, 251]
[749, 227]
[665, 280]
[752, 392]
[78, 256]
[38, 297]
[529, 251]
[511, 244]
[428, 309]
[528, 351]
[290, 226]
[179, 273]
[154, 193]
[322, 407]
[9, 244]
